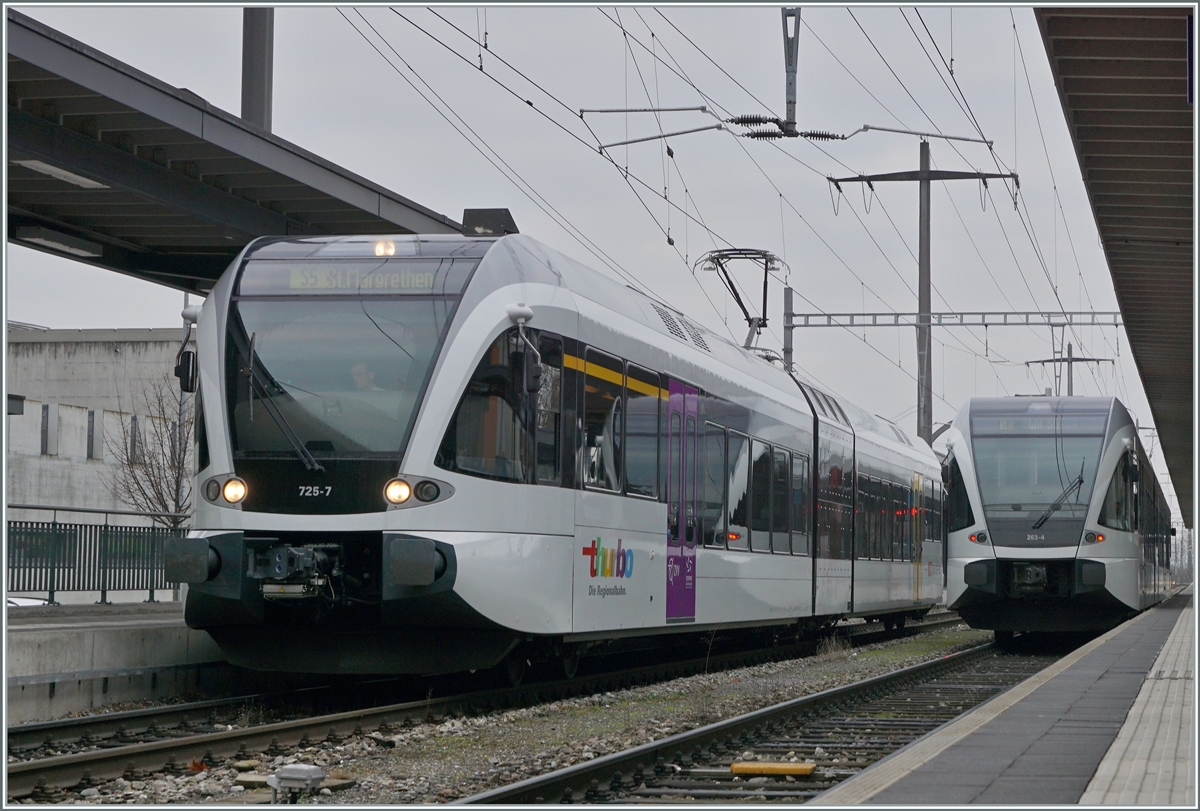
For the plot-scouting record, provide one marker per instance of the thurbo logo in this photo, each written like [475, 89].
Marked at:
[608, 562]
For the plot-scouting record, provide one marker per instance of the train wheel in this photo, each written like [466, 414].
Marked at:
[513, 668]
[1004, 639]
[900, 620]
[889, 623]
[570, 664]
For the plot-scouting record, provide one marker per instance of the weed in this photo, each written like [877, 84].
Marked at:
[833, 646]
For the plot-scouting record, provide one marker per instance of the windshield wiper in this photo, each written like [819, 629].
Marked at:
[1074, 486]
[276, 415]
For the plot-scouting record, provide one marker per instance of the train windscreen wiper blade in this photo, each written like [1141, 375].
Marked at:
[284, 426]
[1075, 484]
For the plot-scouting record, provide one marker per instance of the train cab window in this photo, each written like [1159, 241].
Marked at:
[760, 496]
[780, 492]
[957, 506]
[488, 435]
[739, 495]
[801, 505]
[712, 506]
[641, 432]
[549, 405]
[603, 421]
[1115, 511]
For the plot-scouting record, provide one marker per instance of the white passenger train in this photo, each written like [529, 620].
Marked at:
[1055, 520]
[434, 453]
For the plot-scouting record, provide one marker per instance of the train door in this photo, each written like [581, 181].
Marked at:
[832, 559]
[682, 513]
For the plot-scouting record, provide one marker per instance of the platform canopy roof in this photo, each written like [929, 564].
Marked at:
[112, 167]
[1122, 76]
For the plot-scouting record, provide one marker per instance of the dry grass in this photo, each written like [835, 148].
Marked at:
[833, 646]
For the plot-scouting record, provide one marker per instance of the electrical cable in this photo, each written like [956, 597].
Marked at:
[522, 185]
[625, 174]
[783, 197]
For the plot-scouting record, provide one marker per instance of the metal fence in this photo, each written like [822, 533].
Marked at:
[49, 556]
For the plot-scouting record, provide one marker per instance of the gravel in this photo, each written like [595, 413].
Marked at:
[438, 762]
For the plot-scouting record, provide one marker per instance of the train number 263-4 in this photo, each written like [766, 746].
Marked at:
[309, 490]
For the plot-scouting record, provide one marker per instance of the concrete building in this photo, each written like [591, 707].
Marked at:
[84, 394]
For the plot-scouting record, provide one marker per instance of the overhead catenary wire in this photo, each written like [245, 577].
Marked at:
[572, 111]
[624, 172]
[683, 75]
[1023, 218]
[496, 161]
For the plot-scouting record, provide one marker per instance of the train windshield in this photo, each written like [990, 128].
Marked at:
[330, 359]
[1035, 467]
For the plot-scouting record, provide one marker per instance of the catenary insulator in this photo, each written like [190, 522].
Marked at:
[752, 120]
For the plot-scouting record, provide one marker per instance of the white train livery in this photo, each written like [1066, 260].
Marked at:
[422, 454]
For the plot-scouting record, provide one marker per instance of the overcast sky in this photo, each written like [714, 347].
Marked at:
[338, 97]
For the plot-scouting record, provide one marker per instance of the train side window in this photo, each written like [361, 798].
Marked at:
[936, 514]
[910, 524]
[641, 431]
[893, 552]
[780, 490]
[674, 490]
[690, 479]
[1115, 510]
[957, 505]
[760, 496]
[868, 518]
[801, 505]
[739, 495]
[861, 538]
[549, 419]
[887, 512]
[883, 514]
[713, 504]
[603, 421]
[487, 436]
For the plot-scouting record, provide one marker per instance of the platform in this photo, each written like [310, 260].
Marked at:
[62, 659]
[1111, 723]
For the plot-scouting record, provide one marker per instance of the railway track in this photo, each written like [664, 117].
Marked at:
[790, 752]
[167, 738]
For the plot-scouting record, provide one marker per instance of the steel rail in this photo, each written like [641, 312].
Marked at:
[64, 771]
[101, 725]
[583, 776]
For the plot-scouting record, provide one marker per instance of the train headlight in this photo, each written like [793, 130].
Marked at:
[212, 490]
[427, 491]
[397, 491]
[980, 537]
[385, 248]
[234, 490]
[1093, 537]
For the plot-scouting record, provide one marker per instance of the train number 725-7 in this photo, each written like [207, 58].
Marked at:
[310, 490]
